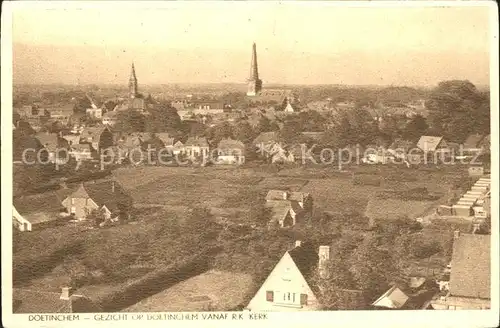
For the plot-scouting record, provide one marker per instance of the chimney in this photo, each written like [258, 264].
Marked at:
[298, 243]
[112, 186]
[65, 293]
[456, 234]
[285, 195]
[324, 257]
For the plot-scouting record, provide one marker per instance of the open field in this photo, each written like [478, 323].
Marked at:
[214, 290]
[240, 188]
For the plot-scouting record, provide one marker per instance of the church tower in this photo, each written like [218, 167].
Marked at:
[132, 84]
[254, 83]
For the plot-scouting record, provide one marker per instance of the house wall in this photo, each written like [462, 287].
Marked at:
[285, 278]
[460, 303]
[81, 206]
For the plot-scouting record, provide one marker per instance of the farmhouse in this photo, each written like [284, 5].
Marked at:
[39, 210]
[107, 196]
[38, 301]
[230, 151]
[288, 208]
[469, 285]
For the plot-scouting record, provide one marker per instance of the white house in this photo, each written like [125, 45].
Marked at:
[287, 288]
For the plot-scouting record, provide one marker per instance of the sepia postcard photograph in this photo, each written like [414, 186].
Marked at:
[223, 163]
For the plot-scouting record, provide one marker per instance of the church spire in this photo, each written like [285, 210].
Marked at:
[254, 70]
[254, 83]
[132, 83]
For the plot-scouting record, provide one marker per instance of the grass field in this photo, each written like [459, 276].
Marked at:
[240, 188]
[214, 290]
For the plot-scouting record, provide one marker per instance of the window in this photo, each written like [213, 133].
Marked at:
[303, 299]
[73, 210]
[269, 296]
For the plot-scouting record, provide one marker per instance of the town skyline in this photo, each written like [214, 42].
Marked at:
[394, 46]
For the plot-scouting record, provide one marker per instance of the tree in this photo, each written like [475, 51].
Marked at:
[163, 118]
[372, 267]
[130, 121]
[96, 217]
[243, 132]
[291, 131]
[457, 109]
[259, 214]
[81, 105]
[333, 287]
[416, 128]
[422, 249]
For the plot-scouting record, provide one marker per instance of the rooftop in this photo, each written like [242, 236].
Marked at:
[470, 266]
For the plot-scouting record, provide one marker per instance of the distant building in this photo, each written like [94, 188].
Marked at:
[81, 152]
[288, 208]
[56, 146]
[469, 285]
[99, 137]
[433, 145]
[196, 147]
[230, 151]
[110, 118]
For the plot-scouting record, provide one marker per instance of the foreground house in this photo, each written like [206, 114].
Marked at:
[106, 196]
[288, 287]
[35, 301]
[469, 285]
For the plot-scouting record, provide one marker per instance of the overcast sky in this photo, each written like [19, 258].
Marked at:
[296, 43]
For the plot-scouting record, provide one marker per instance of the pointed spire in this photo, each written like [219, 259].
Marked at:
[254, 70]
[132, 83]
[254, 83]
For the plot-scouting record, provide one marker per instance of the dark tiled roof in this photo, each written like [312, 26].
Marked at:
[51, 141]
[231, 144]
[48, 202]
[102, 193]
[306, 259]
[470, 266]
